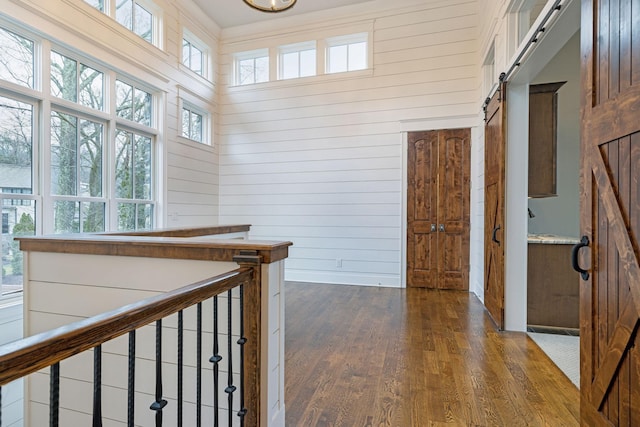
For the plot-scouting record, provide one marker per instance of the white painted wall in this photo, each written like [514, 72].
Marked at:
[560, 215]
[125, 280]
[319, 160]
[11, 330]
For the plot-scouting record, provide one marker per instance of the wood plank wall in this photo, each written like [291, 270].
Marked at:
[319, 160]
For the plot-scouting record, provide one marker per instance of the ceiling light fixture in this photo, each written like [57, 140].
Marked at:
[271, 5]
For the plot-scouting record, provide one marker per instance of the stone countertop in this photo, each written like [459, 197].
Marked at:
[551, 239]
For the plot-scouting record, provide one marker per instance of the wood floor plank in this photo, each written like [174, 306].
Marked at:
[361, 356]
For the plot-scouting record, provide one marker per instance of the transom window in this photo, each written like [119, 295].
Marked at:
[192, 124]
[297, 60]
[16, 59]
[135, 15]
[347, 53]
[76, 82]
[252, 67]
[192, 57]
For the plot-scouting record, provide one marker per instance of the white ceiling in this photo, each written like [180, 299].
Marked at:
[230, 13]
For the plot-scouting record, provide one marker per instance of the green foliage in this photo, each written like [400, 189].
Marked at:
[25, 227]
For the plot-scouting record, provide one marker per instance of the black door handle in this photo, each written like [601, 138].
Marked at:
[574, 257]
[493, 236]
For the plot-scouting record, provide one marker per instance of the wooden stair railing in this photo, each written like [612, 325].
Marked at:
[29, 355]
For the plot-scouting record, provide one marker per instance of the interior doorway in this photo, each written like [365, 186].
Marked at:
[553, 214]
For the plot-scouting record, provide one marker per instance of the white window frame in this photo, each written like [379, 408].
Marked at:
[253, 54]
[193, 40]
[347, 40]
[297, 48]
[192, 102]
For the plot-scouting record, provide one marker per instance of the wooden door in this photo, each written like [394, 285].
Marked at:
[610, 213]
[438, 209]
[494, 190]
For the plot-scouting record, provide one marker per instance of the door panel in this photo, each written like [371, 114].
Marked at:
[422, 209]
[494, 229]
[438, 209]
[610, 213]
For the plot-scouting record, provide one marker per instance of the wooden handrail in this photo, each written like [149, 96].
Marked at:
[31, 354]
[187, 231]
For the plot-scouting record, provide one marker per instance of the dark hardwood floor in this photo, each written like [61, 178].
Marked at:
[363, 356]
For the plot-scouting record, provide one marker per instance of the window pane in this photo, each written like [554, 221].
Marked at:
[196, 127]
[64, 155]
[64, 77]
[308, 63]
[16, 141]
[90, 159]
[290, 62]
[92, 217]
[262, 69]
[142, 107]
[126, 216]
[142, 168]
[16, 59]
[91, 87]
[124, 100]
[98, 4]
[124, 165]
[145, 217]
[15, 222]
[143, 21]
[124, 13]
[358, 56]
[196, 60]
[246, 72]
[186, 53]
[186, 122]
[337, 59]
[66, 217]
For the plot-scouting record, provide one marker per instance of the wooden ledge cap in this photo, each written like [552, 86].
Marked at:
[200, 248]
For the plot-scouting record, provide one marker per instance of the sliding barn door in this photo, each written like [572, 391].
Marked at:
[494, 190]
[438, 209]
[610, 210]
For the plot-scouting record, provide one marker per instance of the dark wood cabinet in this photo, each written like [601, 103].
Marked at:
[553, 297]
[543, 118]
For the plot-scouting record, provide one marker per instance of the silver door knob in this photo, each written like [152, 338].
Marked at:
[433, 227]
[441, 227]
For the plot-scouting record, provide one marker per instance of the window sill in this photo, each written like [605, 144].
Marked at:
[194, 144]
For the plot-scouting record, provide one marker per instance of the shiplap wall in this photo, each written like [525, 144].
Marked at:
[11, 330]
[319, 160]
[188, 172]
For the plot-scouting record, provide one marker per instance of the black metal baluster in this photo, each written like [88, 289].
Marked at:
[215, 359]
[180, 364]
[97, 386]
[160, 403]
[131, 392]
[54, 395]
[241, 342]
[199, 367]
[230, 387]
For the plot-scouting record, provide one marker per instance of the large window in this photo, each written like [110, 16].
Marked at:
[17, 198]
[298, 60]
[347, 53]
[87, 164]
[252, 67]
